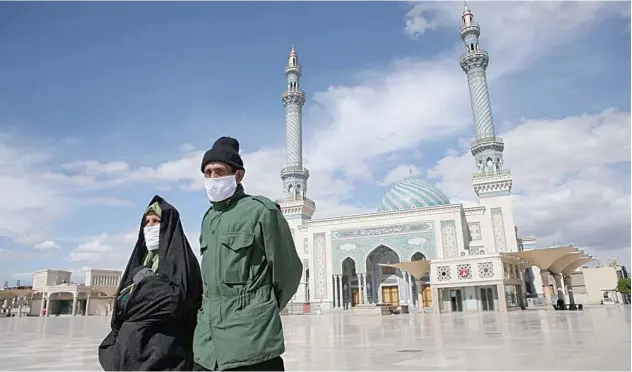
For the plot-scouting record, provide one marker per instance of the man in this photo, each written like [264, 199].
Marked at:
[250, 270]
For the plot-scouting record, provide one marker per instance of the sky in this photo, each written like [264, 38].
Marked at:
[103, 105]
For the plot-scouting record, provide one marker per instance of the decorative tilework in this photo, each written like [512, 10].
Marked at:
[403, 239]
[464, 271]
[443, 273]
[476, 249]
[448, 238]
[305, 246]
[383, 230]
[320, 283]
[498, 225]
[475, 230]
[486, 270]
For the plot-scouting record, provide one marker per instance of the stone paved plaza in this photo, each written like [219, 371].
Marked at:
[594, 339]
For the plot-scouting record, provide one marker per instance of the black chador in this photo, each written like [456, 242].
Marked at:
[157, 300]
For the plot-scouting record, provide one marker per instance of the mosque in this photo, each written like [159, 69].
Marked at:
[419, 249]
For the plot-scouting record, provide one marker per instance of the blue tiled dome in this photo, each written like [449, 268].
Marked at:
[412, 193]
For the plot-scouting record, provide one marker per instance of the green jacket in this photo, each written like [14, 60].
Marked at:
[250, 270]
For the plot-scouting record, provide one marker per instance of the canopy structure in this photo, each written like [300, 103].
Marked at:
[418, 269]
[543, 258]
[565, 260]
[568, 270]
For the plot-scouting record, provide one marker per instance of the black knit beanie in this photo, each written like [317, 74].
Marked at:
[225, 150]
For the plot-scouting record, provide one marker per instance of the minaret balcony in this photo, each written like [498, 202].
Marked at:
[488, 143]
[293, 70]
[474, 56]
[293, 96]
[500, 174]
[471, 27]
[295, 171]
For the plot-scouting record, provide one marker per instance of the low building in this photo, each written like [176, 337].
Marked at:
[53, 293]
[596, 285]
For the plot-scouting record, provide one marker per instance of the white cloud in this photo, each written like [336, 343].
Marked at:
[47, 245]
[104, 249]
[399, 173]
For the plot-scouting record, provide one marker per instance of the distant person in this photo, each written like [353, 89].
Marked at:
[560, 304]
[250, 269]
[157, 300]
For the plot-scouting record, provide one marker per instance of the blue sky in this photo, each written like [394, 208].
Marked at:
[105, 104]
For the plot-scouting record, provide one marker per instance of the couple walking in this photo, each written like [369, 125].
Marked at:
[173, 314]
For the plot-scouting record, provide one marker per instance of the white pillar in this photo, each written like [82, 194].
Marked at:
[336, 292]
[74, 304]
[411, 298]
[502, 300]
[436, 305]
[87, 305]
[42, 305]
[48, 305]
[558, 286]
[546, 277]
[365, 298]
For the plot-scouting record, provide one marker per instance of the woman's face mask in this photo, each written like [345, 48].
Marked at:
[152, 236]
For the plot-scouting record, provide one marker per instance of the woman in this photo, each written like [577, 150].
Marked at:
[157, 301]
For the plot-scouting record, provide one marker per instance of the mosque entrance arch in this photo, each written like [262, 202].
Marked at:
[349, 284]
[383, 283]
[421, 295]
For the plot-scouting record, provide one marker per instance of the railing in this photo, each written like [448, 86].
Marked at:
[492, 173]
[480, 141]
[478, 53]
[294, 169]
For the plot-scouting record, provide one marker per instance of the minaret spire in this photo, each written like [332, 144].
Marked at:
[294, 175]
[490, 178]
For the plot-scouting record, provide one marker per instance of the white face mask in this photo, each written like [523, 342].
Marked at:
[220, 188]
[152, 236]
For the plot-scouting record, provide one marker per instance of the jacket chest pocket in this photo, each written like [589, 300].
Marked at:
[235, 249]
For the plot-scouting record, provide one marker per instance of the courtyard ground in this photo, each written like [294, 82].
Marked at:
[593, 339]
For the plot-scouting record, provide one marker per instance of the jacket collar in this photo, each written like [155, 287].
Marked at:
[226, 204]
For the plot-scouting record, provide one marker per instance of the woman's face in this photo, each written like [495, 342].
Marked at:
[151, 219]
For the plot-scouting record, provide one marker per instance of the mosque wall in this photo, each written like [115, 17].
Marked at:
[435, 232]
[465, 271]
[502, 235]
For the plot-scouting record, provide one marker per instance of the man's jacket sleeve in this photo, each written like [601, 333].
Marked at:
[281, 255]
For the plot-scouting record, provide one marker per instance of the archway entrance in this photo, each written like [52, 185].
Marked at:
[383, 282]
[422, 296]
[61, 303]
[349, 284]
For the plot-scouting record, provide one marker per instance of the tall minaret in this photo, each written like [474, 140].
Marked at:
[294, 175]
[490, 179]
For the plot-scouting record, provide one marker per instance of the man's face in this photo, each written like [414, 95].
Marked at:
[215, 170]
[151, 219]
